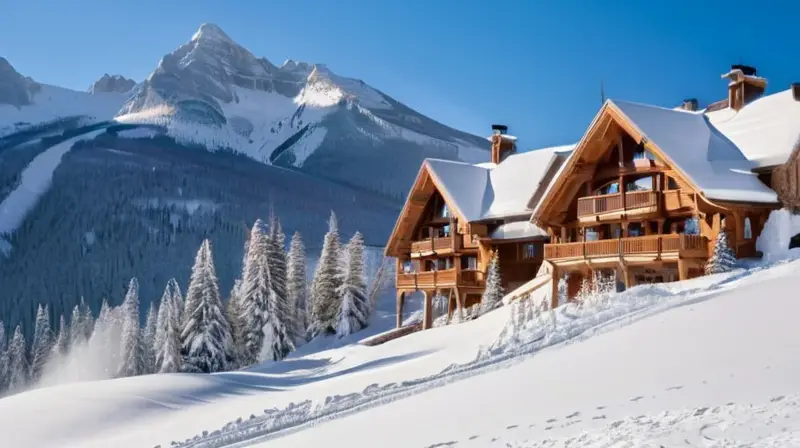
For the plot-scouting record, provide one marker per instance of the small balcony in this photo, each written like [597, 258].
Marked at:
[655, 246]
[446, 278]
[433, 245]
[592, 208]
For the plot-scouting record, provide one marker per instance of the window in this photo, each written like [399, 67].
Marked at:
[691, 226]
[671, 184]
[635, 229]
[469, 262]
[591, 234]
[446, 230]
[408, 267]
[445, 211]
[528, 251]
[611, 188]
[748, 229]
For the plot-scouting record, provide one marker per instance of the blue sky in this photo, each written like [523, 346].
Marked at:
[534, 65]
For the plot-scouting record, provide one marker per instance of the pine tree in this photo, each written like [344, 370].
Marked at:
[325, 303]
[296, 289]
[61, 345]
[77, 333]
[4, 367]
[234, 313]
[132, 362]
[168, 325]
[280, 316]
[18, 362]
[105, 339]
[42, 343]
[255, 294]
[87, 321]
[354, 310]
[148, 339]
[206, 342]
[493, 294]
[723, 258]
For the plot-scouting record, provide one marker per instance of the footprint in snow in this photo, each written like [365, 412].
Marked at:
[599, 417]
[552, 420]
[473, 437]
[548, 428]
[777, 399]
[574, 414]
[675, 388]
[637, 398]
[439, 445]
[511, 426]
[600, 408]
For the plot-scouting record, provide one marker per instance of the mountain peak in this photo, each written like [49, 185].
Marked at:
[210, 31]
[112, 84]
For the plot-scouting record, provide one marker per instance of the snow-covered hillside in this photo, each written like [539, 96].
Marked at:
[707, 362]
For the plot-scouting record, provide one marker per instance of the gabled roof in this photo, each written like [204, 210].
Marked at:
[765, 130]
[693, 146]
[488, 191]
[481, 192]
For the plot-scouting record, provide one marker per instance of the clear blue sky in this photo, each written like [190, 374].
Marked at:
[533, 65]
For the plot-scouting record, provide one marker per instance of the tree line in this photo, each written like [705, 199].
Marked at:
[270, 311]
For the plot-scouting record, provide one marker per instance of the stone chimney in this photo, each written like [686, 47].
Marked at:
[690, 104]
[796, 91]
[502, 143]
[744, 86]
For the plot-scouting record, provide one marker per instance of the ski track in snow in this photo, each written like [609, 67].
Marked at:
[623, 310]
[34, 181]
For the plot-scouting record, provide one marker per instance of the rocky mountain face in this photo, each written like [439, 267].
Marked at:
[15, 89]
[214, 138]
[112, 84]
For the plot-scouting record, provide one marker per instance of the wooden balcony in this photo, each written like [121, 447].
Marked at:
[591, 208]
[434, 245]
[446, 278]
[656, 246]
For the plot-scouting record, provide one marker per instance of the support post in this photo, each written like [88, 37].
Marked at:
[427, 317]
[401, 297]
[555, 276]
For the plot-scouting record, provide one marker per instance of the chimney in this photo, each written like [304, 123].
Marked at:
[745, 85]
[796, 91]
[502, 143]
[690, 104]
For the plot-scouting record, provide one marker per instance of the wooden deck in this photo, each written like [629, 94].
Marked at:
[593, 208]
[447, 278]
[655, 246]
[436, 245]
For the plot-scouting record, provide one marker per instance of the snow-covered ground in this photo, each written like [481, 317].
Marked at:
[689, 363]
[34, 181]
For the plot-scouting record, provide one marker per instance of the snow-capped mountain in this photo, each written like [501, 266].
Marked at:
[112, 84]
[214, 92]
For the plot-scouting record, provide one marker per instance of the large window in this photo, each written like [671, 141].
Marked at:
[445, 212]
[408, 267]
[528, 251]
[469, 262]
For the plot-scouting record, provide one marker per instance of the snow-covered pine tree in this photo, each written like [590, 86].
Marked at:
[168, 352]
[148, 339]
[17, 362]
[723, 259]
[493, 294]
[77, 333]
[42, 343]
[354, 310]
[255, 294]
[281, 315]
[132, 362]
[206, 342]
[105, 340]
[87, 321]
[3, 358]
[326, 283]
[234, 313]
[296, 288]
[61, 345]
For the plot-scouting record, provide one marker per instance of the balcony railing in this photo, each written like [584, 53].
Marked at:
[655, 245]
[608, 203]
[435, 244]
[438, 279]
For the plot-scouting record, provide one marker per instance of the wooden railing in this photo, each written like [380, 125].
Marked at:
[426, 279]
[686, 245]
[432, 245]
[606, 203]
[472, 278]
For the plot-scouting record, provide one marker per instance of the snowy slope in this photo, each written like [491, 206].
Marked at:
[703, 350]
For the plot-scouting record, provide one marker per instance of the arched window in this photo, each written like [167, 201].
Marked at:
[748, 229]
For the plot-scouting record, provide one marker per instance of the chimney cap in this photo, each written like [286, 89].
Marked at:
[500, 128]
[796, 91]
[747, 70]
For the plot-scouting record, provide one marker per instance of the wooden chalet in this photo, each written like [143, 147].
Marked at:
[458, 215]
[645, 193]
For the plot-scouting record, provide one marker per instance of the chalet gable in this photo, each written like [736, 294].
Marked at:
[685, 144]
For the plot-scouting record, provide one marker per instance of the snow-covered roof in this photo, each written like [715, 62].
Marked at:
[517, 229]
[494, 191]
[765, 130]
[698, 149]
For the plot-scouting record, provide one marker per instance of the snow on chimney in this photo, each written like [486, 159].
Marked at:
[796, 91]
[502, 143]
[745, 85]
[690, 104]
